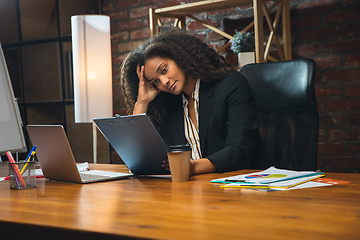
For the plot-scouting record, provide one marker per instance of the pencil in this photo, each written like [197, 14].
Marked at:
[21, 182]
[27, 163]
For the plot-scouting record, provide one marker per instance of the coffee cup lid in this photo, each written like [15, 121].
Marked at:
[179, 148]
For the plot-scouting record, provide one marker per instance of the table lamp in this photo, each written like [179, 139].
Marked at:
[91, 48]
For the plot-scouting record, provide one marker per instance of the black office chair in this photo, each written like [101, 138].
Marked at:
[288, 116]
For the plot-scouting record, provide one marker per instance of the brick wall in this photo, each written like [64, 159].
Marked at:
[327, 31]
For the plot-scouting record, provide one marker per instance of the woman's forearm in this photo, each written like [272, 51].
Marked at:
[140, 108]
[200, 166]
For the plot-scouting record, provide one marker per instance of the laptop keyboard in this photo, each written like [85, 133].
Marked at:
[87, 177]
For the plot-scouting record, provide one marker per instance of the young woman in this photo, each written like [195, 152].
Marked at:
[193, 96]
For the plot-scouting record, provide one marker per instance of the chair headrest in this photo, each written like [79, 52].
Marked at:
[282, 85]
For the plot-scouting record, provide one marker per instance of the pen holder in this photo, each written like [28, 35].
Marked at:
[22, 175]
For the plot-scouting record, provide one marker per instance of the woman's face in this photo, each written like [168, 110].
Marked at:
[165, 74]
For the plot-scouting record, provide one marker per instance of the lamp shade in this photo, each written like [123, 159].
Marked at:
[91, 48]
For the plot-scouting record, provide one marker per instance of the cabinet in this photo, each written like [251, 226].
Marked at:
[36, 40]
[261, 10]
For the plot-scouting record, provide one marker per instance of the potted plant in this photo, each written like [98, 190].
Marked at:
[243, 44]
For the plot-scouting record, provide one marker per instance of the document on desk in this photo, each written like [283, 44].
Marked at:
[319, 182]
[273, 179]
[268, 176]
[286, 184]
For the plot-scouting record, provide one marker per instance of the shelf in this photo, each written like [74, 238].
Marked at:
[261, 9]
[199, 7]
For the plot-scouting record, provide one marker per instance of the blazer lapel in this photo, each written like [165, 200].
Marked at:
[176, 126]
[206, 105]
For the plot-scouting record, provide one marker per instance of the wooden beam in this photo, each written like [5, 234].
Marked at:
[286, 30]
[223, 47]
[259, 31]
[152, 22]
[211, 27]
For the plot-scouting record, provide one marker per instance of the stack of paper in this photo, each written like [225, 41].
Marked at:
[272, 178]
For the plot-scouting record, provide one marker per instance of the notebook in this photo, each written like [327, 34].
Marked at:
[57, 160]
[137, 142]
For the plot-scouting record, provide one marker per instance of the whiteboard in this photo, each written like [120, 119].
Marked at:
[11, 133]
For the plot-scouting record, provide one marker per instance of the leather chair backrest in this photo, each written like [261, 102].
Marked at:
[287, 107]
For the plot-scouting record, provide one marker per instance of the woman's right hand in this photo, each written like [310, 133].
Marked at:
[146, 93]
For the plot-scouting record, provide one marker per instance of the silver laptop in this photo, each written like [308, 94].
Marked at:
[57, 160]
[137, 142]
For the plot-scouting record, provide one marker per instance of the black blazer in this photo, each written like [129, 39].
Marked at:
[228, 125]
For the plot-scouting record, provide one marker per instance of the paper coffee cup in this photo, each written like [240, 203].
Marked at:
[179, 162]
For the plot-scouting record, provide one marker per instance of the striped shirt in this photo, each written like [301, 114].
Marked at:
[191, 133]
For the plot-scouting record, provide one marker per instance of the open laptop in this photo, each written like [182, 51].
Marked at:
[57, 160]
[137, 142]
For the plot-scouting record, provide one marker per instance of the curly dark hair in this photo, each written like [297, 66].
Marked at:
[194, 57]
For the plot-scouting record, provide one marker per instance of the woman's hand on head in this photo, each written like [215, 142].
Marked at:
[147, 91]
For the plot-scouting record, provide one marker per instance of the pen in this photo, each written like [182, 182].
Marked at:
[17, 174]
[231, 180]
[29, 155]
[27, 162]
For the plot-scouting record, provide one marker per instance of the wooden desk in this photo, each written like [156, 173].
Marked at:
[262, 9]
[197, 209]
